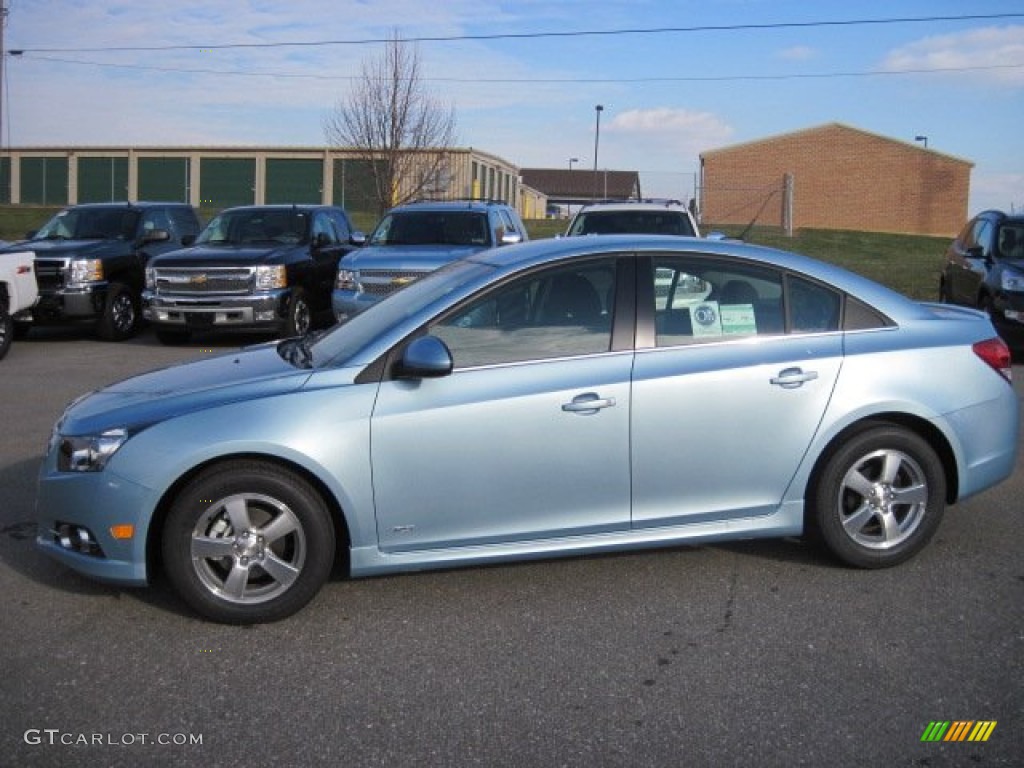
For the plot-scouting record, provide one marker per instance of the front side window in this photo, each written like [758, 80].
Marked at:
[323, 226]
[562, 311]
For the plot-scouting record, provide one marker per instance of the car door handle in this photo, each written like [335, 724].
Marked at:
[791, 378]
[588, 403]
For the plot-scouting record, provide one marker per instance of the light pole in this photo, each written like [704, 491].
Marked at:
[597, 142]
[923, 140]
[573, 160]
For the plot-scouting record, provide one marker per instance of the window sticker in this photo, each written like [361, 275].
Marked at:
[707, 320]
[737, 319]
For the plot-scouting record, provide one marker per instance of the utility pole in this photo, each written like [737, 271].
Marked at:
[3, 54]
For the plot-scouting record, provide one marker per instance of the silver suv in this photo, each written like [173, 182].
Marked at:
[416, 238]
[641, 217]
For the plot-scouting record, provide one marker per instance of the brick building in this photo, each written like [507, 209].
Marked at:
[835, 177]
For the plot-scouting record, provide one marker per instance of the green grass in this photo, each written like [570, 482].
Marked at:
[908, 263]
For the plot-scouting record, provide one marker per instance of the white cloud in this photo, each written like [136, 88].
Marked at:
[676, 128]
[998, 48]
[797, 53]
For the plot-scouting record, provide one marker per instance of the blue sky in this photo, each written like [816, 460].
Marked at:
[668, 96]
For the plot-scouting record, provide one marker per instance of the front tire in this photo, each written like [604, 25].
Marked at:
[880, 498]
[120, 317]
[300, 316]
[6, 333]
[247, 542]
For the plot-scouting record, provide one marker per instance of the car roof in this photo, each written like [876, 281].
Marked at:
[540, 252]
[671, 205]
[449, 205]
[283, 207]
[129, 205]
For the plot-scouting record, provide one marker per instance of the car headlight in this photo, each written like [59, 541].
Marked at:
[270, 277]
[89, 453]
[151, 278]
[347, 280]
[1012, 281]
[85, 271]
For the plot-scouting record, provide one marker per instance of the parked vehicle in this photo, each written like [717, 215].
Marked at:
[414, 239]
[985, 268]
[90, 261]
[565, 396]
[18, 293]
[637, 217]
[265, 268]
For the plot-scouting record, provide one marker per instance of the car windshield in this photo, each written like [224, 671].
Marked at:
[115, 223]
[344, 342]
[432, 228]
[252, 226]
[659, 222]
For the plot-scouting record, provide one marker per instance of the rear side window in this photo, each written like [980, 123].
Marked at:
[698, 299]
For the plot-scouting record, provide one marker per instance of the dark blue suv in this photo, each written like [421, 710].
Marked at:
[985, 269]
[416, 238]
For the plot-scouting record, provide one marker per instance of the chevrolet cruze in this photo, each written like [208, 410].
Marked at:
[566, 396]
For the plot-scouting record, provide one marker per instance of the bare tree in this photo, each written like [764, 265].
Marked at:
[396, 124]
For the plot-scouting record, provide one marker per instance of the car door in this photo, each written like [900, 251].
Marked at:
[327, 246]
[969, 259]
[528, 438]
[725, 401]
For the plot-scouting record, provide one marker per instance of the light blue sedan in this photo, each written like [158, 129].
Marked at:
[565, 396]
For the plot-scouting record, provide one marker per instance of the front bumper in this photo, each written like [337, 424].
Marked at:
[1008, 318]
[267, 310]
[348, 304]
[85, 302]
[75, 513]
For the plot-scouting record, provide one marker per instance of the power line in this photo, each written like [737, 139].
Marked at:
[542, 80]
[539, 35]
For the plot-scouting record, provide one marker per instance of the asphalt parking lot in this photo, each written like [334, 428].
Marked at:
[755, 654]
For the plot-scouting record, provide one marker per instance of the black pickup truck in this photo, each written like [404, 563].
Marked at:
[90, 262]
[263, 268]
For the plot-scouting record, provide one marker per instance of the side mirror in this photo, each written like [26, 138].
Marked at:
[357, 239]
[426, 358]
[716, 235]
[511, 238]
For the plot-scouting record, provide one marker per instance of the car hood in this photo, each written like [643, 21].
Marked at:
[250, 373]
[227, 255]
[87, 249]
[406, 257]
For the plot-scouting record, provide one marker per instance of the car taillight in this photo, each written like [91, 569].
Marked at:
[997, 354]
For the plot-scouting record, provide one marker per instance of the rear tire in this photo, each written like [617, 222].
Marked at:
[880, 498]
[247, 542]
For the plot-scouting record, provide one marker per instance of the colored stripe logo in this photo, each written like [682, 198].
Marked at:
[958, 730]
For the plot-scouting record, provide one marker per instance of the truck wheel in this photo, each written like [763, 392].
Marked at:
[247, 542]
[120, 315]
[300, 317]
[173, 338]
[6, 333]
